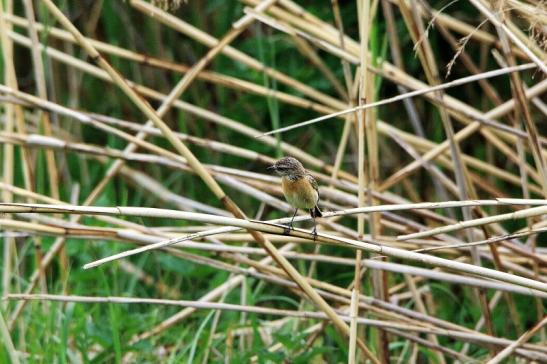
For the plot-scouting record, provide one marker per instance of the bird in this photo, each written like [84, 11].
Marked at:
[299, 187]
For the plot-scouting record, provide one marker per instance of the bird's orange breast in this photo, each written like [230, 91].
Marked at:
[299, 193]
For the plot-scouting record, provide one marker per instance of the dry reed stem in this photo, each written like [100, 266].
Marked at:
[482, 7]
[273, 228]
[534, 211]
[502, 355]
[419, 92]
[8, 151]
[261, 310]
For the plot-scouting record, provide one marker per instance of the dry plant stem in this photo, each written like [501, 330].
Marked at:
[467, 30]
[494, 97]
[293, 284]
[513, 262]
[56, 143]
[480, 323]
[347, 124]
[213, 77]
[494, 20]
[86, 118]
[376, 227]
[459, 136]
[130, 236]
[197, 111]
[492, 240]
[382, 128]
[415, 27]
[210, 41]
[419, 304]
[505, 353]
[214, 324]
[523, 107]
[328, 287]
[278, 229]
[250, 309]
[212, 295]
[314, 58]
[384, 208]
[8, 152]
[389, 69]
[473, 114]
[398, 62]
[114, 168]
[261, 310]
[53, 175]
[499, 266]
[197, 166]
[534, 211]
[439, 348]
[363, 8]
[409, 104]
[59, 243]
[422, 91]
[354, 313]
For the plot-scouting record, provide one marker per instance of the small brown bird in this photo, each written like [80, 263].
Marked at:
[299, 187]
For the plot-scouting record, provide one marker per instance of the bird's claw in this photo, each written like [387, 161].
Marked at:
[314, 233]
[287, 230]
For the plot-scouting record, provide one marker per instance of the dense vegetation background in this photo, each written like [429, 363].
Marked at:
[412, 45]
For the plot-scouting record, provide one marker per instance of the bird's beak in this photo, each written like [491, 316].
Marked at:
[271, 168]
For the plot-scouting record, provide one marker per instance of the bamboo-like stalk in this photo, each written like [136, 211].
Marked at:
[382, 127]
[252, 309]
[481, 6]
[502, 355]
[210, 41]
[534, 211]
[518, 92]
[228, 81]
[274, 228]
[465, 132]
[224, 121]
[354, 312]
[8, 151]
[418, 302]
[410, 94]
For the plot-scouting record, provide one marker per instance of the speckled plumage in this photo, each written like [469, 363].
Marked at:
[299, 187]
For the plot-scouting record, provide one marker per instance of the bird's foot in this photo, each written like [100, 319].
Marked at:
[288, 229]
[314, 233]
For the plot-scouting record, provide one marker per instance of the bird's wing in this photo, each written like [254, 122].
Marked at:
[313, 183]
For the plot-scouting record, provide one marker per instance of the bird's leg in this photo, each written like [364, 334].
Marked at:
[290, 227]
[314, 231]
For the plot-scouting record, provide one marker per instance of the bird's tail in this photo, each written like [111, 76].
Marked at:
[315, 212]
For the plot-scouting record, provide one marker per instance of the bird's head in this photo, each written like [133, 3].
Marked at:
[287, 166]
